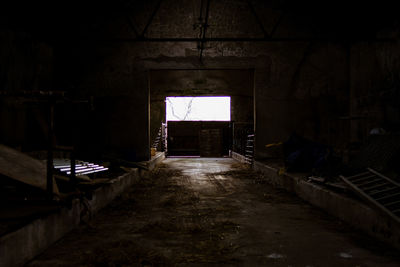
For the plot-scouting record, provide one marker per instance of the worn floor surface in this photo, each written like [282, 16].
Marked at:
[212, 212]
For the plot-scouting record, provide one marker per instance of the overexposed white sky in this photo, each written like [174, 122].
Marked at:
[203, 108]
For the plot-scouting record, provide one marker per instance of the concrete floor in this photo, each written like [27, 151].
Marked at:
[213, 212]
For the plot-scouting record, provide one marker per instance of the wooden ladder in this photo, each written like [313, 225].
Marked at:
[249, 153]
[158, 138]
[378, 189]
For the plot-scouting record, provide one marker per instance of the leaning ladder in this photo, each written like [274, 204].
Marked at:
[249, 152]
[378, 189]
[160, 137]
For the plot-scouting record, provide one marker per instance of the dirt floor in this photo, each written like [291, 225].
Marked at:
[213, 212]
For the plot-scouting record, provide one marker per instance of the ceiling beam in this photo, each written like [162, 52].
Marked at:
[233, 39]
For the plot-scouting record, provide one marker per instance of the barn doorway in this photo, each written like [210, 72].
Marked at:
[198, 126]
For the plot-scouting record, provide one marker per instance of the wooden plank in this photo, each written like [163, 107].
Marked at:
[23, 168]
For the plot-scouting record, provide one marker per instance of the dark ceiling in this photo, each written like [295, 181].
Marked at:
[129, 19]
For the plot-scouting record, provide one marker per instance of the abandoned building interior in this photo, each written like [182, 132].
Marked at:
[199, 133]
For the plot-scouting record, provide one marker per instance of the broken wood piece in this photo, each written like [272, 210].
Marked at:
[23, 168]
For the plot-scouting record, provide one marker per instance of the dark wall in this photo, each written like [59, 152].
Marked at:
[117, 120]
[375, 88]
[304, 90]
[26, 64]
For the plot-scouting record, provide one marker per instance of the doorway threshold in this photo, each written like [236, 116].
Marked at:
[183, 156]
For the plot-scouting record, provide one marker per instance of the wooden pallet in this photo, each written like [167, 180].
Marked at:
[378, 189]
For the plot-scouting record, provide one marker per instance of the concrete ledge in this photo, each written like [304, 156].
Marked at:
[156, 159]
[160, 156]
[354, 212]
[105, 194]
[238, 157]
[18, 247]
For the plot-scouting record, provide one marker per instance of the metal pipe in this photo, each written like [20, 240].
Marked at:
[201, 11]
[205, 26]
[49, 180]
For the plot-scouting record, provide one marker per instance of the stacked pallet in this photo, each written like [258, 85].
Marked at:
[210, 143]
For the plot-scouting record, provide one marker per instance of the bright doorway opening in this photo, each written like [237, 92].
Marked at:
[203, 108]
[198, 126]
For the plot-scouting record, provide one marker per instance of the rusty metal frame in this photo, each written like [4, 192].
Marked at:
[151, 18]
[132, 25]
[357, 184]
[276, 25]
[258, 20]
